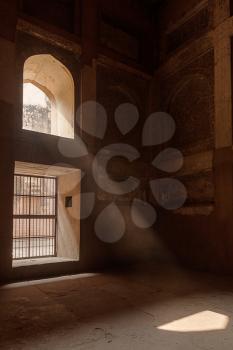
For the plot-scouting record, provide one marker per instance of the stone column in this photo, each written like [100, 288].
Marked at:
[221, 9]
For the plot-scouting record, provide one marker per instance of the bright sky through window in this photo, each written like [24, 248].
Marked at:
[34, 96]
[36, 109]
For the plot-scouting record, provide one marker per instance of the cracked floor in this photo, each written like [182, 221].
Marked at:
[147, 307]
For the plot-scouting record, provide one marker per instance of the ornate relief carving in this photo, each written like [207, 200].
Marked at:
[191, 108]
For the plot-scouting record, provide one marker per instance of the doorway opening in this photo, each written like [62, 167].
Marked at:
[34, 217]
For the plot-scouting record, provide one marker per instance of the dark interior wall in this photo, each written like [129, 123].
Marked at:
[201, 232]
[114, 86]
[58, 13]
[187, 93]
[8, 21]
[129, 31]
[120, 29]
[115, 42]
[180, 25]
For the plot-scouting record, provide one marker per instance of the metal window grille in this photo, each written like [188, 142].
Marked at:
[34, 217]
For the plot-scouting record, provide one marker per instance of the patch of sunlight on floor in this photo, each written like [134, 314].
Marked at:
[200, 322]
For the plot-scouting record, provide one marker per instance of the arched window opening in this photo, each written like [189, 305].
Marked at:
[48, 97]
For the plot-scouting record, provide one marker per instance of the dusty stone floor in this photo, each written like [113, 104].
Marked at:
[162, 308]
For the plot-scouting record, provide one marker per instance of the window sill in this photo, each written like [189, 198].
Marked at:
[41, 261]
